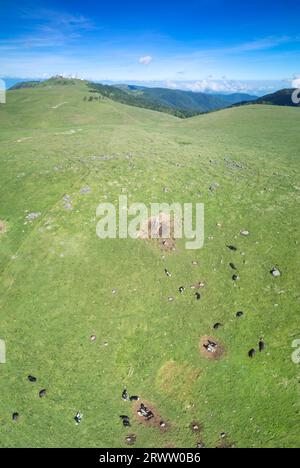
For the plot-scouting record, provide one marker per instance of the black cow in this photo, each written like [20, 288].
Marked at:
[217, 325]
[251, 353]
[261, 345]
[125, 420]
[15, 417]
[32, 379]
[134, 398]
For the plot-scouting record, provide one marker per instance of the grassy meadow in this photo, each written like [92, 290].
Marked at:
[57, 276]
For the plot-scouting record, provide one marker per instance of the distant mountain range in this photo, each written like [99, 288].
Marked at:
[280, 98]
[178, 102]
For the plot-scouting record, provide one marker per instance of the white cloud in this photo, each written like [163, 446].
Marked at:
[296, 83]
[209, 85]
[171, 85]
[146, 60]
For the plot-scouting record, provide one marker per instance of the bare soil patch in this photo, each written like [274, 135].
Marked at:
[211, 348]
[156, 421]
[130, 439]
[161, 229]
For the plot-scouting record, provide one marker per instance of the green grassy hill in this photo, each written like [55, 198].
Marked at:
[180, 103]
[280, 98]
[58, 277]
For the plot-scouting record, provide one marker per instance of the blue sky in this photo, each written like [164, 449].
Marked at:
[217, 45]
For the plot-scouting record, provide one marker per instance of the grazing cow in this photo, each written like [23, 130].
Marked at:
[78, 418]
[162, 424]
[15, 417]
[134, 398]
[181, 289]
[235, 278]
[232, 248]
[251, 353]
[32, 379]
[261, 345]
[239, 314]
[217, 325]
[145, 412]
[198, 296]
[168, 273]
[210, 346]
[232, 265]
[125, 420]
[275, 272]
[42, 393]
[125, 395]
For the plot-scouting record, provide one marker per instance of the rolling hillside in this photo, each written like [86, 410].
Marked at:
[89, 317]
[280, 98]
[179, 103]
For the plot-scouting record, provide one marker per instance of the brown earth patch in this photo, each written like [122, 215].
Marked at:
[160, 229]
[156, 421]
[217, 349]
[175, 378]
[130, 439]
[199, 285]
[3, 227]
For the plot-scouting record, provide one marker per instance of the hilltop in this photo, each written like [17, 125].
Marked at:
[176, 102]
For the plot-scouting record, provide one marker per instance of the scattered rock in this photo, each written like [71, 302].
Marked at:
[32, 216]
[214, 186]
[245, 233]
[85, 190]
